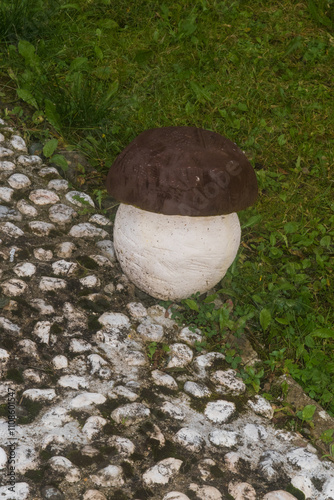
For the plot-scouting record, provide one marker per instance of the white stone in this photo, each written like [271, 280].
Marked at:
[123, 445]
[220, 437]
[90, 281]
[42, 331]
[328, 489]
[26, 209]
[279, 495]
[11, 230]
[7, 166]
[72, 195]
[219, 411]
[58, 184]
[162, 316]
[137, 310]
[65, 249]
[14, 287]
[180, 355]
[42, 306]
[48, 284]
[196, 390]
[206, 492]
[43, 197]
[94, 495]
[204, 361]
[63, 465]
[61, 214]
[18, 143]
[242, 491]
[73, 382]
[87, 399]
[79, 345]
[162, 472]
[55, 417]
[303, 484]
[190, 337]
[231, 460]
[175, 495]
[42, 254]
[19, 181]
[64, 268]
[4, 356]
[261, 406]
[130, 414]
[150, 332]
[255, 432]
[27, 161]
[106, 247]
[93, 426]
[29, 347]
[5, 152]
[172, 257]
[59, 362]
[3, 459]
[114, 320]
[41, 228]
[101, 260]
[163, 379]
[32, 376]
[9, 214]
[100, 219]
[87, 230]
[47, 171]
[97, 362]
[173, 410]
[112, 475]
[228, 382]
[25, 269]
[303, 459]
[190, 439]
[22, 492]
[40, 394]
[123, 392]
[109, 289]
[7, 325]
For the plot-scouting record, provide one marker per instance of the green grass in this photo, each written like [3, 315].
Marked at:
[96, 74]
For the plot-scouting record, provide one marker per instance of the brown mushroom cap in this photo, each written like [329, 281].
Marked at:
[183, 171]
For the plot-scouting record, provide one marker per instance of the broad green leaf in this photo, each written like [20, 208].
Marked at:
[242, 107]
[27, 97]
[70, 6]
[78, 62]
[27, 50]
[98, 52]
[50, 147]
[255, 219]
[323, 333]
[325, 241]
[290, 227]
[52, 115]
[191, 304]
[308, 412]
[111, 92]
[61, 161]
[265, 319]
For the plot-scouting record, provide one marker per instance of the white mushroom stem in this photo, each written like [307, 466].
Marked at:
[170, 257]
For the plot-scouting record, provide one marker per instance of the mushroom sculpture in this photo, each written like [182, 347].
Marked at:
[176, 231]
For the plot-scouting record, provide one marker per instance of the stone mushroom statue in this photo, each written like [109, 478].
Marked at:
[176, 231]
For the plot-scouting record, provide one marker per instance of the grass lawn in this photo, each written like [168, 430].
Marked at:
[91, 75]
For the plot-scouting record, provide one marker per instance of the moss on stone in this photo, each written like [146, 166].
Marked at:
[15, 375]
